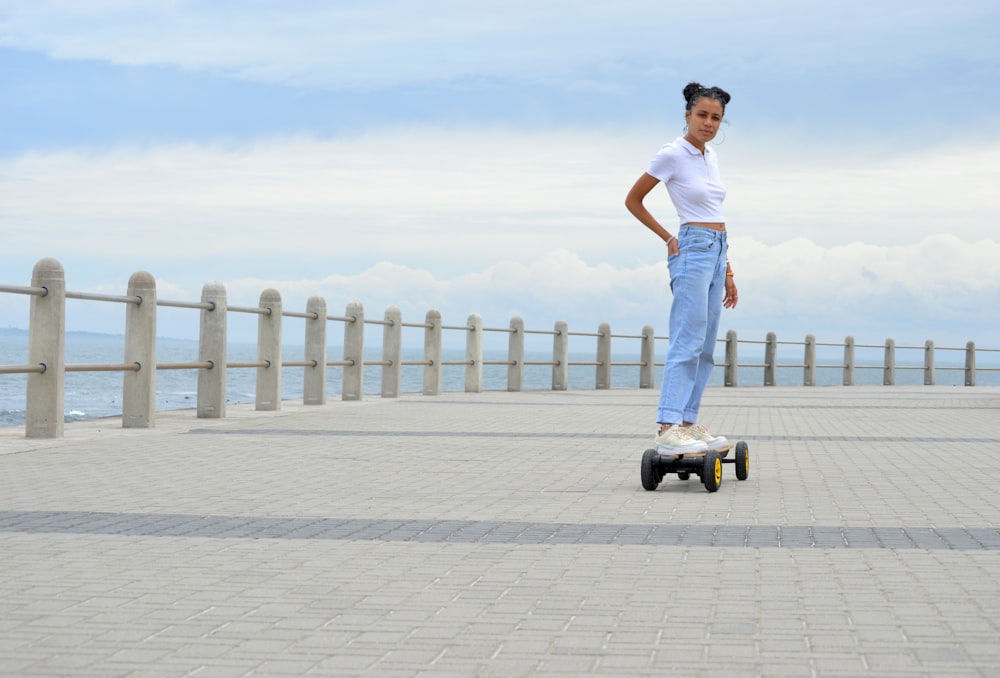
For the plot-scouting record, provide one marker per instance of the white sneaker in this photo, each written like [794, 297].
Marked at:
[678, 440]
[699, 432]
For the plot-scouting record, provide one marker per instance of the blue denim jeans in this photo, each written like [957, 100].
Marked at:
[698, 284]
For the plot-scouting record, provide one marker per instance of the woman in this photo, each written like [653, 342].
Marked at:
[700, 277]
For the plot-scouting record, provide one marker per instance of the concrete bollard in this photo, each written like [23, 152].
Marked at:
[139, 388]
[46, 393]
[970, 364]
[602, 373]
[731, 374]
[474, 355]
[929, 377]
[809, 369]
[647, 355]
[392, 352]
[889, 371]
[314, 379]
[268, 394]
[770, 359]
[849, 361]
[432, 353]
[560, 357]
[354, 352]
[515, 355]
[212, 348]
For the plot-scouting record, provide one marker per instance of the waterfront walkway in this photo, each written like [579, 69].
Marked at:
[507, 534]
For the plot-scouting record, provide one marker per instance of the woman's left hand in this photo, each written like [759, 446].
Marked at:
[732, 296]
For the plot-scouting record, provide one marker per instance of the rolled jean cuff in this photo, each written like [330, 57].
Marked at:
[668, 417]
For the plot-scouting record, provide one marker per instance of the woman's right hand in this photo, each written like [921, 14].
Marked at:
[673, 248]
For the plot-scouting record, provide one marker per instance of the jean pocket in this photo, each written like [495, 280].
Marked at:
[696, 243]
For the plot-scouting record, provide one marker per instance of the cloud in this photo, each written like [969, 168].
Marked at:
[456, 200]
[939, 288]
[530, 224]
[936, 288]
[363, 45]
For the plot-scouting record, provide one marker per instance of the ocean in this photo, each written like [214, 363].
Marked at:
[91, 395]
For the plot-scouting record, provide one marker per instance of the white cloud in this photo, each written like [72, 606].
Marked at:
[531, 224]
[936, 288]
[389, 42]
[461, 199]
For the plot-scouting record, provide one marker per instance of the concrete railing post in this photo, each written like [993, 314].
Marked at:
[268, 395]
[354, 352]
[560, 357]
[474, 355]
[139, 388]
[212, 348]
[849, 361]
[770, 359]
[647, 356]
[46, 394]
[970, 364]
[889, 373]
[929, 376]
[392, 352]
[731, 374]
[602, 373]
[809, 369]
[515, 355]
[314, 379]
[432, 353]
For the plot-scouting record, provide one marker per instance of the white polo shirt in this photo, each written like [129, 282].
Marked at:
[692, 179]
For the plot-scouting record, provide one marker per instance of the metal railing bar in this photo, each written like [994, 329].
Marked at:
[22, 369]
[104, 297]
[249, 309]
[296, 314]
[201, 365]
[101, 367]
[33, 291]
[203, 305]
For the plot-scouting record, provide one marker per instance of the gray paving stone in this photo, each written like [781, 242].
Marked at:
[512, 538]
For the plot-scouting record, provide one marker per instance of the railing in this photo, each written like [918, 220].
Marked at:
[46, 352]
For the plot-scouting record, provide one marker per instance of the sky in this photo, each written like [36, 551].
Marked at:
[474, 158]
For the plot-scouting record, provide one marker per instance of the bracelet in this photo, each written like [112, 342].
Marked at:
[729, 274]
[669, 239]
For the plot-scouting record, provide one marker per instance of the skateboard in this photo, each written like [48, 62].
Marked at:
[707, 465]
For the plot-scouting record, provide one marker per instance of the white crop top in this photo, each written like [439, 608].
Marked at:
[692, 179]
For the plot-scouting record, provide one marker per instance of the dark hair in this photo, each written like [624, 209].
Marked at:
[694, 91]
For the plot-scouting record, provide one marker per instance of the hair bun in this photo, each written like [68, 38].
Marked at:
[691, 89]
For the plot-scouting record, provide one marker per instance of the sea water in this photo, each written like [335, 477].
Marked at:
[92, 395]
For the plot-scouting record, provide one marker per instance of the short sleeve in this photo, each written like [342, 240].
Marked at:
[664, 163]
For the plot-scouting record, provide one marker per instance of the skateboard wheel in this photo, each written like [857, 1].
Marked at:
[650, 474]
[711, 474]
[683, 475]
[742, 461]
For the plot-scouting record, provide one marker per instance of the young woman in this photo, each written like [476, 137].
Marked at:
[700, 277]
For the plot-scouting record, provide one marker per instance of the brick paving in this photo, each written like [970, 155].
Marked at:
[508, 534]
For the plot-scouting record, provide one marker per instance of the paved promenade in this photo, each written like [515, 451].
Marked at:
[502, 534]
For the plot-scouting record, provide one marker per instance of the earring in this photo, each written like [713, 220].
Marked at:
[719, 143]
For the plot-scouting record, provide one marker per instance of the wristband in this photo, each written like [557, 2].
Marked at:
[669, 239]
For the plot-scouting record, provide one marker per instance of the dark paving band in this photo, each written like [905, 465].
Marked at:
[494, 532]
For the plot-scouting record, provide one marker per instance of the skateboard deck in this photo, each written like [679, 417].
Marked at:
[722, 449]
